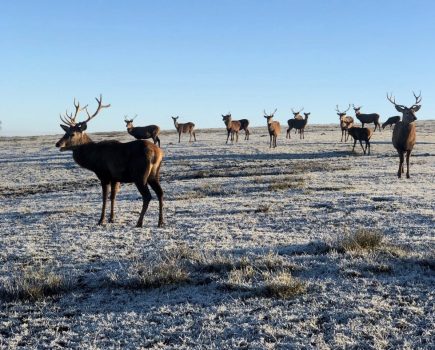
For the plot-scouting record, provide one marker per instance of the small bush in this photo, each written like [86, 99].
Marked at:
[34, 283]
[287, 183]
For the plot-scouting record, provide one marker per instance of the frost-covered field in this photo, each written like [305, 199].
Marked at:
[236, 216]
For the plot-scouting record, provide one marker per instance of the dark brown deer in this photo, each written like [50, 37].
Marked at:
[361, 134]
[114, 162]
[346, 122]
[299, 125]
[143, 132]
[367, 118]
[391, 121]
[184, 128]
[404, 132]
[273, 127]
[234, 126]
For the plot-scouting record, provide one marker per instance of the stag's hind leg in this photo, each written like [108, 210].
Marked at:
[155, 185]
[146, 198]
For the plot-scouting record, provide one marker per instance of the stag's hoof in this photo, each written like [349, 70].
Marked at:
[101, 223]
[161, 224]
[139, 224]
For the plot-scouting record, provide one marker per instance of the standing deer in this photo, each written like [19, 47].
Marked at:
[234, 126]
[273, 127]
[361, 134]
[184, 128]
[346, 122]
[143, 132]
[367, 118]
[298, 124]
[404, 134]
[297, 115]
[114, 162]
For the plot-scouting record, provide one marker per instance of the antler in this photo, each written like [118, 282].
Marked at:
[391, 99]
[69, 119]
[343, 111]
[100, 106]
[417, 99]
[274, 112]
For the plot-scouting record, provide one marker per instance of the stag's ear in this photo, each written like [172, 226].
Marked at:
[399, 108]
[64, 127]
[82, 126]
[416, 108]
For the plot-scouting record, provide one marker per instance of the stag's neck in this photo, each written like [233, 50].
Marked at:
[176, 124]
[130, 130]
[82, 153]
[407, 120]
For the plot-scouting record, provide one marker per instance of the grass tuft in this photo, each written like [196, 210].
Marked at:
[362, 239]
[283, 285]
[34, 283]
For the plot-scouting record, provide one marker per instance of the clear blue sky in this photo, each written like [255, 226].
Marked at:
[199, 59]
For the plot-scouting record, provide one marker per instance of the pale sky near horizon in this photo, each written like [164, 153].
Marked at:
[200, 59]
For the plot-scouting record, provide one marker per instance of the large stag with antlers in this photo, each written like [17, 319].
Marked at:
[114, 162]
[346, 122]
[404, 134]
[234, 126]
[184, 128]
[367, 118]
[273, 127]
[142, 132]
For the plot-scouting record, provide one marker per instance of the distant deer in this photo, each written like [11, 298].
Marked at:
[143, 132]
[361, 134]
[391, 121]
[346, 122]
[114, 162]
[184, 128]
[273, 127]
[404, 134]
[297, 115]
[234, 126]
[367, 118]
[298, 124]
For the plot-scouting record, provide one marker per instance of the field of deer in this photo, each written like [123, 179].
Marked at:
[307, 245]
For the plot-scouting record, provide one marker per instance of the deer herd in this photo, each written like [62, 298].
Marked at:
[139, 161]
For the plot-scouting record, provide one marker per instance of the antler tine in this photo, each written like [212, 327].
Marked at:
[417, 98]
[347, 108]
[67, 122]
[264, 111]
[274, 112]
[100, 106]
[133, 117]
[337, 109]
[391, 99]
[301, 110]
[293, 111]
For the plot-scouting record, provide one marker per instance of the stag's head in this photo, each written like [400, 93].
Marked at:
[269, 116]
[356, 109]
[226, 117]
[75, 131]
[343, 113]
[129, 122]
[295, 114]
[307, 115]
[407, 112]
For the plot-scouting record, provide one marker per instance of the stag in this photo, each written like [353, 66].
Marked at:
[298, 124]
[184, 128]
[273, 127]
[114, 162]
[234, 126]
[391, 121]
[404, 132]
[143, 132]
[346, 122]
[367, 118]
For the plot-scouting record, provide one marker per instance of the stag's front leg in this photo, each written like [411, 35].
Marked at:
[408, 154]
[400, 171]
[105, 187]
[114, 188]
